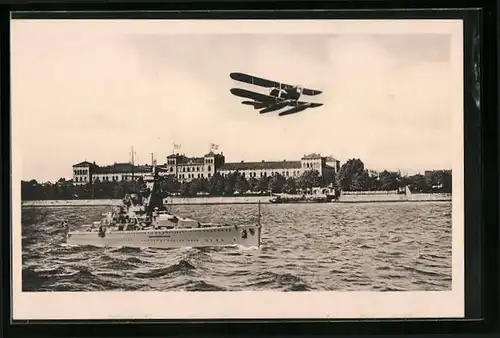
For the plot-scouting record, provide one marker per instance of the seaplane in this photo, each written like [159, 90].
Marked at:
[280, 95]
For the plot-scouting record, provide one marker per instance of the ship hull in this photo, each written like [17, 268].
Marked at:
[245, 235]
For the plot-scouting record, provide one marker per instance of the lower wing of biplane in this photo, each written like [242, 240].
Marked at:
[247, 94]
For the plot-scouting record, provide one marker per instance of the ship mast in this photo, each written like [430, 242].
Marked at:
[259, 216]
[132, 153]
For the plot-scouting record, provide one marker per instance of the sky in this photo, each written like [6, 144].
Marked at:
[89, 90]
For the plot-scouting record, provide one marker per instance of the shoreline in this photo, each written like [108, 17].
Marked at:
[358, 198]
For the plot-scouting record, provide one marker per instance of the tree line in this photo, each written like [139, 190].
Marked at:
[352, 176]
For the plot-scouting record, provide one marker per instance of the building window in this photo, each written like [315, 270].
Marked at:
[209, 175]
[209, 168]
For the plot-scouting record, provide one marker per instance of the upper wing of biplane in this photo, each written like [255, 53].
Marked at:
[253, 95]
[258, 81]
[310, 92]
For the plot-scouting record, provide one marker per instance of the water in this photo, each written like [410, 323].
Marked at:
[335, 247]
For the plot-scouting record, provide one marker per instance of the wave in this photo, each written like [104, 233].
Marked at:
[183, 267]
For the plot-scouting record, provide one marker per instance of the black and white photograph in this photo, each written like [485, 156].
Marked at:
[237, 168]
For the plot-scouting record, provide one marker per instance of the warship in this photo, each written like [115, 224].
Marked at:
[145, 220]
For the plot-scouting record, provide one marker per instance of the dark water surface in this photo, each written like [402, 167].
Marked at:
[336, 247]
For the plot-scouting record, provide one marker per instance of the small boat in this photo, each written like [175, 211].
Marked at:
[146, 222]
[288, 198]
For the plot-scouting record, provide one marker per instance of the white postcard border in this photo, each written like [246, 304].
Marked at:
[260, 304]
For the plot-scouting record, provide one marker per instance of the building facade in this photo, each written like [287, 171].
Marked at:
[85, 172]
[187, 168]
[326, 166]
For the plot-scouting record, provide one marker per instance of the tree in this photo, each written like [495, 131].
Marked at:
[185, 189]
[360, 181]
[439, 180]
[170, 185]
[418, 183]
[447, 182]
[30, 190]
[241, 185]
[389, 180]
[194, 187]
[216, 185]
[253, 184]
[204, 186]
[290, 187]
[309, 179]
[263, 184]
[350, 172]
[276, 183]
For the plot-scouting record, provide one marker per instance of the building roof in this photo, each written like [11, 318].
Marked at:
[261, 165]
[118, 168]
[182, 156]
[192, 161]
[331, 159]
[84, 164]
[183, 159]
[311, 156]
[212, 154]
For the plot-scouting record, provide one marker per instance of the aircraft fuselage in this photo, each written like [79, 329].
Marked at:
[286, 94]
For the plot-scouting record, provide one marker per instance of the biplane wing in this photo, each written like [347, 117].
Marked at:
[310, 92]
[253, 95]
[258, 81]
[256, 104]
[300, 107]
[309, 104]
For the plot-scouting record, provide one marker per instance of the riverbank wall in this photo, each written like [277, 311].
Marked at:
[344, 198]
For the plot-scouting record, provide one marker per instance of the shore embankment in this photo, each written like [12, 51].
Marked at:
[344, 198]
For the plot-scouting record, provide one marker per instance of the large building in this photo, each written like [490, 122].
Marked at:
[326, 166]
[187, 168]
[85, 172]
